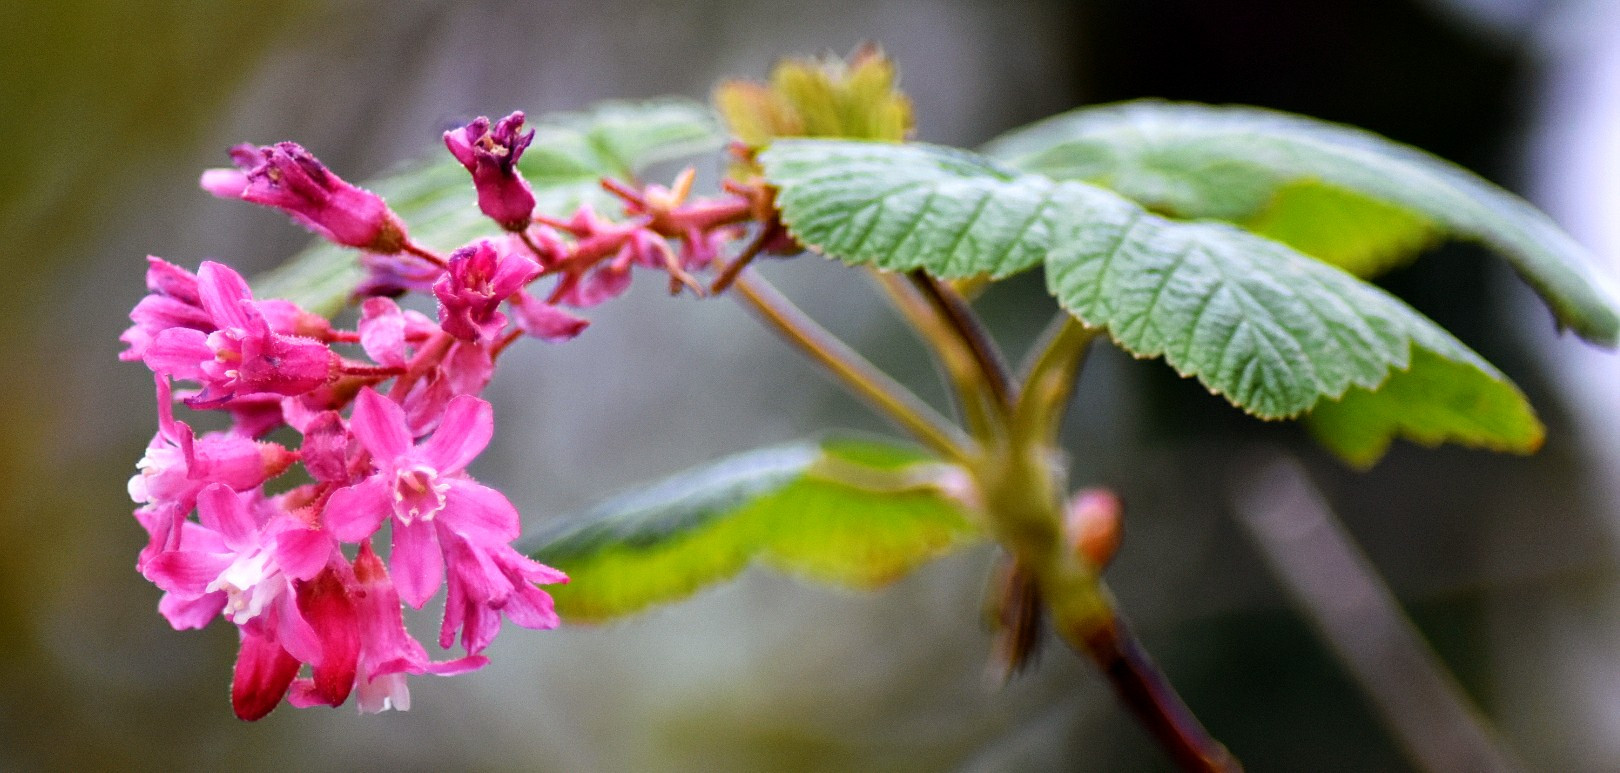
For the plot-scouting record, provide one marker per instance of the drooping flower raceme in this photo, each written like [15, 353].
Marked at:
[387, 418]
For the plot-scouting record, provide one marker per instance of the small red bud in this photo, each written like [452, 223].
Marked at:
[1094, 525]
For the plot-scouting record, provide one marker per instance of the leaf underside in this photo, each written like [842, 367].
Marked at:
[570, 155]
[854, 513]
[1278, 174]
[1276, 332]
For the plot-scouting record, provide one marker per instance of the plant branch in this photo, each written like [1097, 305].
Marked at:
[959, 314]
[949, 350]
[861, 376]
[1143, 688]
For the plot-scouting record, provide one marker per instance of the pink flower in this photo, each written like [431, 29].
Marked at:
[441, 516]
[287, 177]
[387, 651]
[243, 355]
[479, 279]
[178, 465]
[268, 573]
[491, 155]
[172, 302]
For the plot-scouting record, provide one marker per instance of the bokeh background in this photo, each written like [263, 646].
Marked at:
[108, 111]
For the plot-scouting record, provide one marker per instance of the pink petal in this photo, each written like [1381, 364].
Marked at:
[545, 321]
[382, 331]
[179, 352]
[355, 513]
[263, 672]
[224, 183]
[530, 608]
[166, 278]
[222, 510]
[389, 647]
[379, 423]
[223, 291]
[482, 578]
[185, 573]
[479, 513]
[184, 613]
[302, 552]
[417, 564]
[463, 433]
[460, 665]
[325, 602]
[293, 630]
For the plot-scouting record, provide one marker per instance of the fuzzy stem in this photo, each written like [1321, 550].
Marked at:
[861, 376]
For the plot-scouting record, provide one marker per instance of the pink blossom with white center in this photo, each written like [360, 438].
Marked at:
[440, 516]
[287, 177]
[243, 355]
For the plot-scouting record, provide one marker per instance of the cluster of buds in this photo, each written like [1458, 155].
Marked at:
[387, 415]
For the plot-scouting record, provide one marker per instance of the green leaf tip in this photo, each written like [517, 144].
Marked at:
[851, 512]
[1272, 330]
[1243, 164]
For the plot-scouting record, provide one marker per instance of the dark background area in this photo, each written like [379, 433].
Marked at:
[111, 110]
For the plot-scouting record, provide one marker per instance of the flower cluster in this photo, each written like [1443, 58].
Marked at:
[387, 417]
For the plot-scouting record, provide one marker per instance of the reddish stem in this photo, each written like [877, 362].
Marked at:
[426, 254]
[1143, 688]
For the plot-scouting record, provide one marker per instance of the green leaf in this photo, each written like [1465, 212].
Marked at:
[856, 513]
[1274, 331]
[1435, 401]
[902, 207]
[1359, 234]
[1242, 164]
[570, 155]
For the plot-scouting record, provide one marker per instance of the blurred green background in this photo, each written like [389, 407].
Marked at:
[108, 111]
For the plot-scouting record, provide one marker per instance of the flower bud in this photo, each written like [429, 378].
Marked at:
[491, 155]
[287, 177]
[1093, 525]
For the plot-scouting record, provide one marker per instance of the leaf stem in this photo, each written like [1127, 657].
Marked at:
[949, 350]
[861, 376]
[959, 314]
[1049, 379]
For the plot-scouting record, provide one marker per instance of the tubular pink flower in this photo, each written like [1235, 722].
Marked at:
[479, 279]
[243, 355]
[491, 155]
[287, 177]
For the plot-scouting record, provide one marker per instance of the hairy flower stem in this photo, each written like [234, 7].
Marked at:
[861, 376]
